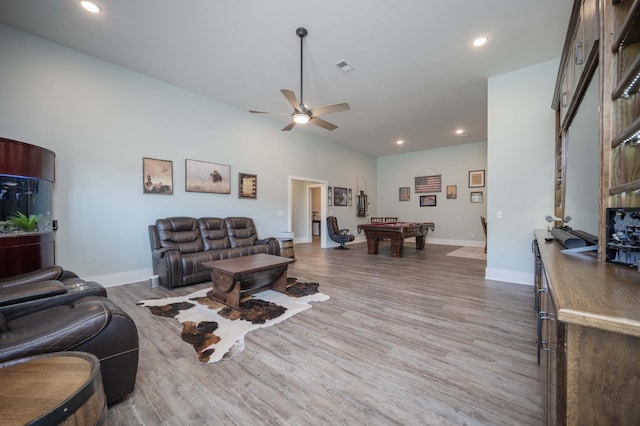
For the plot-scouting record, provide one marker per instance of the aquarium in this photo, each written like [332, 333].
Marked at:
[27, 237]
[25, 205]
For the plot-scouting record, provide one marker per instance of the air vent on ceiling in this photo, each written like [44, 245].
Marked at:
[344, 66]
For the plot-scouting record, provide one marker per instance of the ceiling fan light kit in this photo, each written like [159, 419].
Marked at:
[301, 118]
[301, 113]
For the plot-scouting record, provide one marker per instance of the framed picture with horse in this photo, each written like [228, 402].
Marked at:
[202, 176]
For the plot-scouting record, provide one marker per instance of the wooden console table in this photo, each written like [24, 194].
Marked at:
[246, 275]
[62, 387]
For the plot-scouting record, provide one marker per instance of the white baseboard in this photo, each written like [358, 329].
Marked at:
[121, 278]
[506, 275]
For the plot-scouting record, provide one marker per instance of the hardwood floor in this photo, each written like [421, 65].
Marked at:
[420, 340]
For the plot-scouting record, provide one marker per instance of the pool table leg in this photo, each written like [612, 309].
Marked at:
[397, 246]
[372, 245]
[420, 242]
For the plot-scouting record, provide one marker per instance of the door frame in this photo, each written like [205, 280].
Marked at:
[306, 203]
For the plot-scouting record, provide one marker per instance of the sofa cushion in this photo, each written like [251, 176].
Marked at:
[242, 231]
[181, 233]
[192, 262]
[214, 233]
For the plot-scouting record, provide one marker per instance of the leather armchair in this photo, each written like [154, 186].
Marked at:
[92, 324]
[44, 288]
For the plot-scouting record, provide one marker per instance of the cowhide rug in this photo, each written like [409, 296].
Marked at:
[217, 331]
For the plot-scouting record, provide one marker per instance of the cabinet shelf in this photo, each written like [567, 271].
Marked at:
[629, 30]
[629, 82]
[629, 133]
[627, 187]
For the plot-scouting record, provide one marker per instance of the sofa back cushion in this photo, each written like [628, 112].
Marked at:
[242, 231]
[214, 233]
[181, 233]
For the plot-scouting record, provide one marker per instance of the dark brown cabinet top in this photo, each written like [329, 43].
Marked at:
[589, 292]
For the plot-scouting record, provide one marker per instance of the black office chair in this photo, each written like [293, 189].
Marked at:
[340, 236]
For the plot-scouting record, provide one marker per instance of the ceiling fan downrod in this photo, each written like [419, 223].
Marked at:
[302, 33]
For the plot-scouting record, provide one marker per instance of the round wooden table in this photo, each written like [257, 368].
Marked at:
[51, 388]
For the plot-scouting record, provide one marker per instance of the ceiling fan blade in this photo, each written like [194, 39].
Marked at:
[328, 109]
[291, 97]
[289, 126]
[322, 123]
[267, 112]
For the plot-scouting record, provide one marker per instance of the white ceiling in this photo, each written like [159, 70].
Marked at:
[416, 76]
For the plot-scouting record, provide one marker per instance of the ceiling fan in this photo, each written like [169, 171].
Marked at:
[302, 113]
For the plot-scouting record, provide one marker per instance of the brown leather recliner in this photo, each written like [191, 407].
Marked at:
[43, 288]
[51, 310]
[91, 324]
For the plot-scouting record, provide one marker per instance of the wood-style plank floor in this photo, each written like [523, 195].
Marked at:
[419, 340]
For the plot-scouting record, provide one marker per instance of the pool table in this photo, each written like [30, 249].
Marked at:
[396, 232]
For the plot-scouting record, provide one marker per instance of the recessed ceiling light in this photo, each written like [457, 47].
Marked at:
[480, 41]
[459, 131]
[399, 142]
[90, 6]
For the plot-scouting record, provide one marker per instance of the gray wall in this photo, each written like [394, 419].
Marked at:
[457, 220]
[101, 120]
[521, 159]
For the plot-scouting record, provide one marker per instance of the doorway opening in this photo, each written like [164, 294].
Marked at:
[307, 207]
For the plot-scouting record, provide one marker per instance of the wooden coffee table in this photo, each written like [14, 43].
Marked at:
[246, 275]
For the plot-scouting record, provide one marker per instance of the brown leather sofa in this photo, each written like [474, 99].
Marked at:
[65, 313]
[179, 246]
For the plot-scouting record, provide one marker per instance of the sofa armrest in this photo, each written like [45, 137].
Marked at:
[30, 291]
[42, 274]
[159, 253]
[56, 329]
[263, 241]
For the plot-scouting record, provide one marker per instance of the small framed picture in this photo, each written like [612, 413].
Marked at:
[476, 197]
[339, 196]
[157, 176]
[452, 192]
[329, 196]
[427, 200]
[476, 179]
[404, 193]
[247, 186]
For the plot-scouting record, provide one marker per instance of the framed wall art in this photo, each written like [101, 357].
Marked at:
[157, 176]
[476, 179]
[428, 201]
[202, 176]
[350, 197]
[428, 184]
[247, 186]
[404, 193]
[329, 196]
[476, 197]
[339, 196]
[452, 192]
